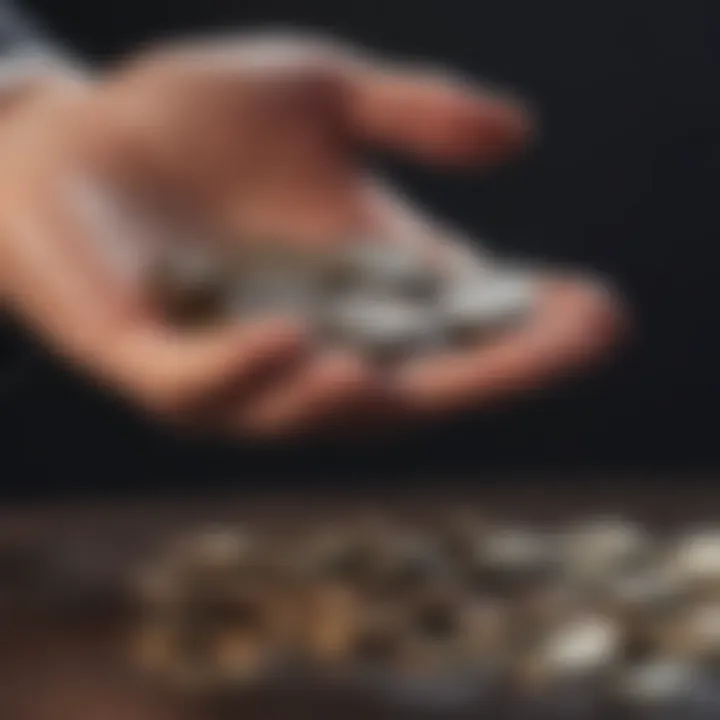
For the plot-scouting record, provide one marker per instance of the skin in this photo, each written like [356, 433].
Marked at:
[253, 144]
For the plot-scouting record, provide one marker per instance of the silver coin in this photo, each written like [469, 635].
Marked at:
[697, 558]
[273, 292]
[658, 682]
[583, 646]
[383, 328]
[189, 286]
[385, 269]
[601, 547]
[478, 305]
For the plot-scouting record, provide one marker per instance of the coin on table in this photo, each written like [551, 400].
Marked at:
[379, 637]
[659, 682]
[696, 559]
[510, 560]
[582, 647]
[696, 632]
[409, 564]
[333, 615]
[602, 547]
[214, 548]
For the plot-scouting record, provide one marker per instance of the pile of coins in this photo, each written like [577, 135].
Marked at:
[385, 300]
[593, 618]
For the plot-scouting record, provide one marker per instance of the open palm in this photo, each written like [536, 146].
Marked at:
[264, 138]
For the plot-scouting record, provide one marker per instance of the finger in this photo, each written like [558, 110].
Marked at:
[101, 327]
[69, 289]
[330, 391]
[55, 276]
[435, 117]
[177, 376]
[574, 325]
[432, 114]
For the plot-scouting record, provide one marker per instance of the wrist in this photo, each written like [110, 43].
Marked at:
[24, 78]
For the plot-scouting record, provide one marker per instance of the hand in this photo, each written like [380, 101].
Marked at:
[262, 139]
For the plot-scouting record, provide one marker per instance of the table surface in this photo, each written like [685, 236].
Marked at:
[56, 668]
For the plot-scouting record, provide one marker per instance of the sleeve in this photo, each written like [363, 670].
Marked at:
[28, 52]
[20, 34]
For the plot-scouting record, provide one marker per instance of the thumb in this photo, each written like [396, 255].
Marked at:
[171, 374]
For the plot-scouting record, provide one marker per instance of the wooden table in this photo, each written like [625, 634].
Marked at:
[56, 667]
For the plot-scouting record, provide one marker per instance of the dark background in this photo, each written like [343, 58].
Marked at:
[625, 182]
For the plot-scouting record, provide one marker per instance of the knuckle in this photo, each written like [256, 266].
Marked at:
[346, 378]
[164, 400]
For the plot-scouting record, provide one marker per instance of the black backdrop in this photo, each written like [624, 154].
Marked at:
[625, 182]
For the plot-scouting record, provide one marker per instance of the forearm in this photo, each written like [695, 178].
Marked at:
[30, 58]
